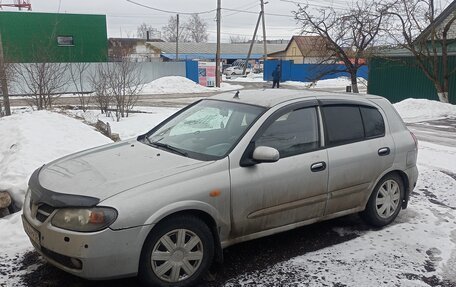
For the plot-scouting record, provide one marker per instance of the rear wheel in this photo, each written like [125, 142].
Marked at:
[385, 202]
[178, 252]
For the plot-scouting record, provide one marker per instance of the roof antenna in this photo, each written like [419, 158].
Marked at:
[236, 96]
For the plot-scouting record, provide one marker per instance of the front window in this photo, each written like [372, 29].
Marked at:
[293, 133]
[206, 130]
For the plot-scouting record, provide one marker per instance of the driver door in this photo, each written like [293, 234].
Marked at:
[291, 190]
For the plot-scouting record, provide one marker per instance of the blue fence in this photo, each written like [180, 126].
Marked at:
[191, 70]
[308, 72]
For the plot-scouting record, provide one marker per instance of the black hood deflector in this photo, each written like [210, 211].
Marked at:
[40, 194]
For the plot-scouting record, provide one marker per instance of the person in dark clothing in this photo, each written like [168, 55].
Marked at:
[276, 77]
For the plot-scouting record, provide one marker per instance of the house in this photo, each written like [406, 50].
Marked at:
[206, 51]
[303, 50]
[53, 37]
[137, 50]
[394, 73]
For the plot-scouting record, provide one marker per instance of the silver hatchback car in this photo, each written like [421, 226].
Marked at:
[226, 169]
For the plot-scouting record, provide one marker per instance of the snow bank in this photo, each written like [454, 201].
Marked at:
[134, 125]
[417, 110]
[181, 85]
[28, 140]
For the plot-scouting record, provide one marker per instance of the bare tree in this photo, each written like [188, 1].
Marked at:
[78, 73]
[144, 28]
[170, 31]
[197, 29]
[349, 34]
[42, 82]
[98, 80]
[6, 74]
[124, 82]
[141, 31]
[415, 29]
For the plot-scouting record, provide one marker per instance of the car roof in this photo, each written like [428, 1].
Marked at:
[272, 97]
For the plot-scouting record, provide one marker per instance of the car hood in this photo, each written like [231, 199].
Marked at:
[108, 170]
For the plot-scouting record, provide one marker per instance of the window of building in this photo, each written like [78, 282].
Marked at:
[65, 40]
[292, 133]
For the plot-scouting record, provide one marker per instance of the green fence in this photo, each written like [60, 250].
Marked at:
[36, 37]
[398, 78]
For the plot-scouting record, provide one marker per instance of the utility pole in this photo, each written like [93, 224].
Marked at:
[3, 80]
[177, 38]
[264, 32]
[217, 55]
[252, 43]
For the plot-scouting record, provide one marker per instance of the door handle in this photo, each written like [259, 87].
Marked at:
[384, 151]
[318, 166]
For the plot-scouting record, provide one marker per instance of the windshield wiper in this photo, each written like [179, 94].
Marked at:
[169, 147]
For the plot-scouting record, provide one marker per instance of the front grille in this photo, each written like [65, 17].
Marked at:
[41, 212]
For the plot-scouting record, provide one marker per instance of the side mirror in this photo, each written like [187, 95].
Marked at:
[265, 154]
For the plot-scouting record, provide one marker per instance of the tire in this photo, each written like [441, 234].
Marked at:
[165, 261]
[385, 201]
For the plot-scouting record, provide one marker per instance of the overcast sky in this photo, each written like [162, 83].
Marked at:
[124, 17]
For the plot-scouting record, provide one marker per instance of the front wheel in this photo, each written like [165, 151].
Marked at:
[385, 202]
[178, 252]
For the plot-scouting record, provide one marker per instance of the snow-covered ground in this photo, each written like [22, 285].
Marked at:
[419, 247]
[134, 125]
[181, 85]
[250, 78]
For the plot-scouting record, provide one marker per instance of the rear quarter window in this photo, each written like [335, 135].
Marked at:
[374, 124]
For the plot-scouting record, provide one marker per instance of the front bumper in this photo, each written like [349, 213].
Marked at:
[105, 254]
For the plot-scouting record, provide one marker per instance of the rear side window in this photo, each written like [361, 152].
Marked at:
[373, 122]
[343, 124]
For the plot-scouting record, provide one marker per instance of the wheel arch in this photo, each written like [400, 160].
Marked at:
[405, 181]
[206, 214]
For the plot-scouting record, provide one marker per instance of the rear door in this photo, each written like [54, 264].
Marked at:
[359, 150]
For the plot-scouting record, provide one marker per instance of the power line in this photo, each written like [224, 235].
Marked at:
[169, 11]
[245, 9]
[256, 13]
[315, 5]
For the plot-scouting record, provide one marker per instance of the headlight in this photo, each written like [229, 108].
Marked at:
[84, 219]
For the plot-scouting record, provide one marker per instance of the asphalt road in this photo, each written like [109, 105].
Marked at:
[172, 100]
[441, 132]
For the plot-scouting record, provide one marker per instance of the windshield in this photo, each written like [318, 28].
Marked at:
[207, 130]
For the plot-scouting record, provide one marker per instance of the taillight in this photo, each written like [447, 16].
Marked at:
[415, 139]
